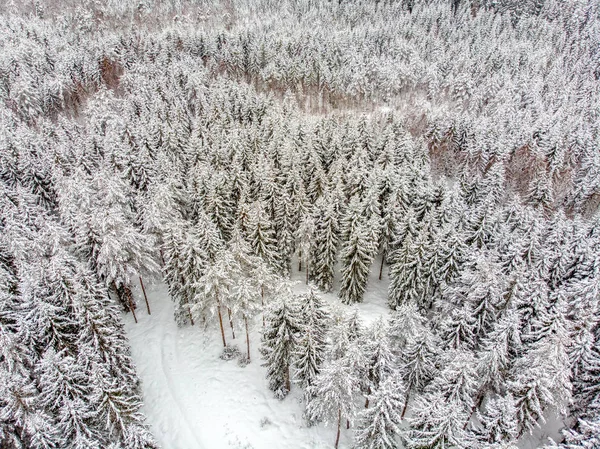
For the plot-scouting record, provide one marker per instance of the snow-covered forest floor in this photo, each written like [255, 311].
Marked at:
[195, 400]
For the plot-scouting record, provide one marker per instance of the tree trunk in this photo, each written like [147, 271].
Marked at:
[189, 312]
[262, 302]
[405, 405]
[221, 323]
[306, 272]
[381, 266]
[145, 297]
[299, 261]
[288, 386]
[247, 338]
[231, 323]
[129, 297]
[347, 424]
[337, 438]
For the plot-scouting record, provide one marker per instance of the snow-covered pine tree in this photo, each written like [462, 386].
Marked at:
[498, 421]
[381, 363]
[305, 242]
[437, 423]
[326, 238]
[540, 378]
[245, 303]
[311, 347]
[379, 425]
[260, 235]
[279, 341]
[418, 361]
[212, 289]
[357, 256]
[333, 395]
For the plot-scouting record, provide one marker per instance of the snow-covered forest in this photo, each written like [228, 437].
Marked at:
[376, 219]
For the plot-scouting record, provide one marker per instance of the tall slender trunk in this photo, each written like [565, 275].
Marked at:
[288, 386]
[337, 437]
[231, 323]
[262, 302]
[299, 261]
[189, 307]
[405, 405]
[347, 424]
[307, 272]
[247, 337]
[145, 296]
[221, 322]
[381, 266]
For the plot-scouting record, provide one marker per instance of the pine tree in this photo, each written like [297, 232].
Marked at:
[324, 249]
[310, 352]
[437, 423]
[279, 341]
[498, 421]
[380, 359]
[418, 362]
[378, 425]
[261, 236]
[245, 302]
[212, 290]
[357, 257]
[305, 243]
[333, 394]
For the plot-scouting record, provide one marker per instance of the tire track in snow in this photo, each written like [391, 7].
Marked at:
[172, 389]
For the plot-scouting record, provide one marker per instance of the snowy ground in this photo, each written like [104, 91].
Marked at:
[195, 400]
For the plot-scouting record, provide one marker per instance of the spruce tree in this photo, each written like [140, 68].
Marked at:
[324, 249]
[378, 425]
[279, 341]
[357, 257]
[310, 352]
[333, 395]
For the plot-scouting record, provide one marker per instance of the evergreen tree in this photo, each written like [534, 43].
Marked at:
[261, 236]
[279, 341]
[380, 359]
[324, 249]
[333, 394]
[310, 351]
[378, 426]
[357, 257]
[437, 423]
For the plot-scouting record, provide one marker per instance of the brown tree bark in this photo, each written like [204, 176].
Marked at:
[230, 323]
[145, 296]
[307, 273]
[262, 302]
[405, 405]
[221, 321]
[288, 385]
[247, 338]
[337, 437]
[381, 266]
[126, 297]
[189, 312]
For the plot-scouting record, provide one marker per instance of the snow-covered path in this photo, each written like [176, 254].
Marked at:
[195, 400]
